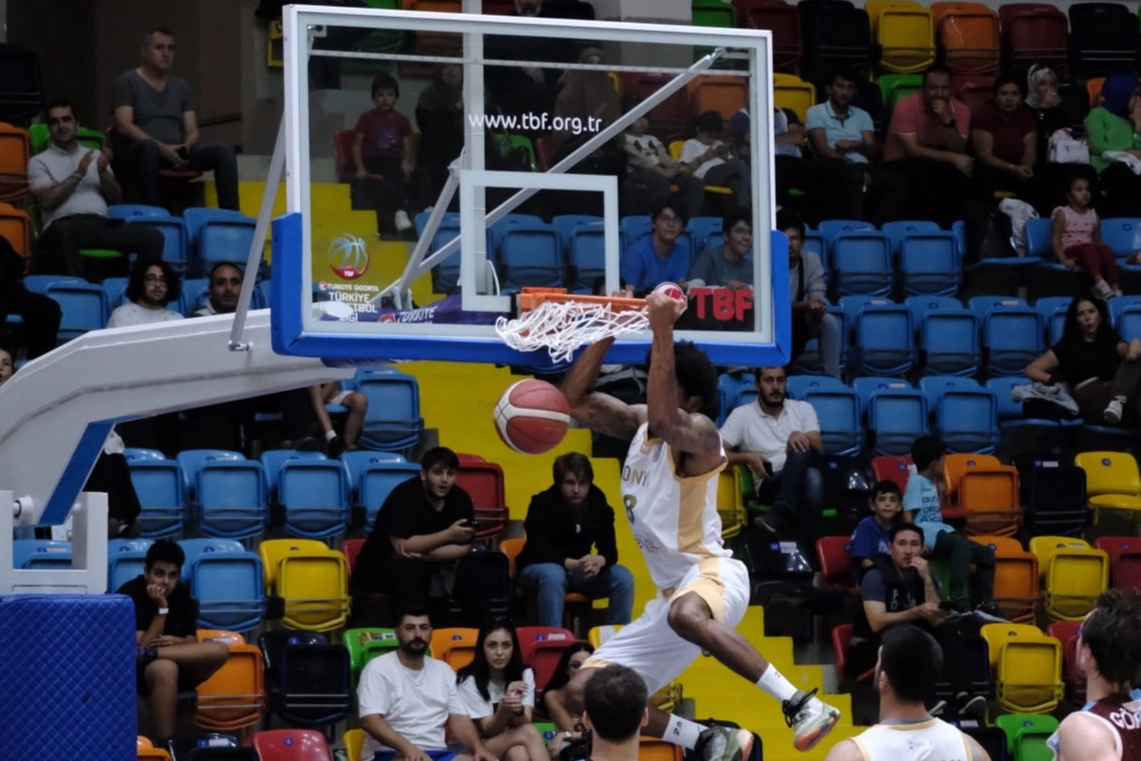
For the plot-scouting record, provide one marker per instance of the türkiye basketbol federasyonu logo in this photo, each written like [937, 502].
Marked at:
[348, 257]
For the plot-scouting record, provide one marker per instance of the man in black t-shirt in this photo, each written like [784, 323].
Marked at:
[169, 656]
[424, 527]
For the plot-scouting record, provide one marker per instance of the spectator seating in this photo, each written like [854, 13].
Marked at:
[1124, 560]
[842, 643]
[16, 226]
[1073, 575]
[393, 420]
[125, 560]
[1028, 665]
[793, 93]
[836, 36]
[780, 18]
[314, 497]
[306, 582]
[835, 556]
[892, 468]
[41, 554]
[375, 482]
[896, 417]
[364, 644]
[1056, 502]
[721, 93]
[484, 482]
[454, 646]
[84, 307]
[159, 486]
[227, 582]
[229, 496]
[234, 697]
[291, 745]
[905, 34]
[219, 235]
[1067, 632]
[1027, 734]
[307, 679]
[1034, 33]
[1016, 578]
[1112, 480]
[1103, 38]
[969, 36]
[15, 152]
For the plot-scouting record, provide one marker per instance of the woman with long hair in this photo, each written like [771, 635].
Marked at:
[499, 693]
[568, 726]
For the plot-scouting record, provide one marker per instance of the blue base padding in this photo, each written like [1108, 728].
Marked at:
[69, 684]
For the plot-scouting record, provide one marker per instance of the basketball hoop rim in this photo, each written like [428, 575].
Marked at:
[530, 298]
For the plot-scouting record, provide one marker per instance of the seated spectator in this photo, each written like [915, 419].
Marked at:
[841, 132]
[1115, 126]
[713, 162]
[440, 119]
[563, 524]
[169, 658]
[306, 418]
[568, 725]
[1076, 238]
[41, 314]
[1045, 104]
[424, 527]
[729, 265]
[872, 537]
[587, 103]
[384, 151]
[649, 164]
[407, 698]
[900, 589]
[657, 258]
[922, 505]
[927, 143]
[157, 127]
[223, 290]
[152, 286]
[808, 292]
[1004, 137]
[499, 694]
[72, 186]
[1102, 370]
[615, 714]
[778, 440]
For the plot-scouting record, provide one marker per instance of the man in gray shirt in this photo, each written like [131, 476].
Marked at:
[729, 265]
[72, 185]
[808, 292]
[158, 129]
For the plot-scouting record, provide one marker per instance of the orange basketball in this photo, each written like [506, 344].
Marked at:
[532, 416]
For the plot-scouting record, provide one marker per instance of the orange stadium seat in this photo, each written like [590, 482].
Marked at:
[454, 646]
[724, 94]
[969, 36]
[1015, 578]
[16, 226]
[15, 153]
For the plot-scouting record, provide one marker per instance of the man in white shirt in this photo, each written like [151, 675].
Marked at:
[779, 441]
[153, 285]
[407, 698]
[72, 186]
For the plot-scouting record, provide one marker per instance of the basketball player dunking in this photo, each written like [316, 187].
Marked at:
[669, 488]
[1108, 728]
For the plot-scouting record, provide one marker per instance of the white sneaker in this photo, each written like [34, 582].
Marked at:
[810, 718]
[402, 221]
[1114, 412]
[1102, 290]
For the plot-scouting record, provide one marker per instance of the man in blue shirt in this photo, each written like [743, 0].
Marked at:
[839, 131]
[922, 505]
[658, 257]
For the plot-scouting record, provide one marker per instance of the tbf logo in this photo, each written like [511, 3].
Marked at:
[348, 257]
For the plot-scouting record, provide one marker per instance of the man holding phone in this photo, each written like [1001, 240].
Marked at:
[424, 527]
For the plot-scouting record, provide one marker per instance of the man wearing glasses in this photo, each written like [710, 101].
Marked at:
[73, 185]
[658, 257]
[153, 285]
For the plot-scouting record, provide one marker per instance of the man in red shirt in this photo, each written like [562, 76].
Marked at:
[927, 142]
[385, 155]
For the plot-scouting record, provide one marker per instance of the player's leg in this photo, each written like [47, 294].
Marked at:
[705, 611]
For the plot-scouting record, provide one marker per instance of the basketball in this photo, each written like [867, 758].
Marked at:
[673, 290]
[532, 416]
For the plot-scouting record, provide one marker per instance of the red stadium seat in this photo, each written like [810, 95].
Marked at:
[842, 641]
[343, 143]
[1124, 559]
[1035, 33]
[976, 90]
[782, 20]
[529, 636]
[891, 468]
[291, 745]
[1066, 632]
[835, 555]
[484, 482]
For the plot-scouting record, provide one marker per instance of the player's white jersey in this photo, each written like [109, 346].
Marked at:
[932, 740]
[674, 519]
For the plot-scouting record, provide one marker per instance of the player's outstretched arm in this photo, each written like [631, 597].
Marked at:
[693, 434]
[597, 411]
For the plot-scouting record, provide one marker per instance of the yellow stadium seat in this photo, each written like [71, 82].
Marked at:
[1015, 577]
[274, 49]
[310, 579]
[456, 647]
[666, 698]
[656, 749]
[730, 504]
[905, 32]
[793, 93]
[1028, 667]
[354, 743]
[1073, 575]
[1112, 481]
[234, 696]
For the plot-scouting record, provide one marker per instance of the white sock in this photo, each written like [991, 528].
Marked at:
[330, 435]
[774, 683]
[683, 732]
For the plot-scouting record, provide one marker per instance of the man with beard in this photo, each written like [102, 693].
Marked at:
[153, 285]
[406, 699]
[224, 289]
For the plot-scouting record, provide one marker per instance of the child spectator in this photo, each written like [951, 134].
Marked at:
[385, 154]
[649, 163]
[711, 160]
[922, 505]
[872, 537]
[499, 694]
[1077, 240]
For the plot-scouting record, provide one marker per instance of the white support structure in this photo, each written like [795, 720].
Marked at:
[88, 572]
[54, 403]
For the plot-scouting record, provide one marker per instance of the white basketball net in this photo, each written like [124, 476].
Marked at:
[563, 326]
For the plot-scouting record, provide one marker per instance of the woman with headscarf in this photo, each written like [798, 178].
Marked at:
[1115, 125]
[440, 117]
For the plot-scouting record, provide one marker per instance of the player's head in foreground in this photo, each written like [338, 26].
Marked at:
[1109, 648]
[910, 662]
[696, 379]
[615, 711]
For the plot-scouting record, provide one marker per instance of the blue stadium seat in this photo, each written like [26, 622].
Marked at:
[866, 386]
[160, 486]
[446, 274]
[1039, 240]
[393, 420]
[730, 387]
[980, 305]
[43, 554]
[530, 256]
[84, 308]
[717, 240]
[261, 293]
[949, 342]
[838, 411]
[1129, 322]
[1012, 338]
[898, 230]
[377, 480]
[885, 340]
[633, 228]
[273, 459]
[833, 228]
[227, 582]
[129, 211]
[852, 305]
[230, 499]
[934, 386]
[929, 263]
[139, 453]
[1053, 311]
[799, 385]
[897, 418]
[586, 258]
[816, 243]
[194, 294]
[1122, 234]
[224, 240]
[921, 305]
[37, 283]
[126, 560]
[967, 420]
[450, 219]
[314, 497]
[702, 228]
[356, 462]
[959, 230]
[116, 290]
[566, 224]
[496, 231]
[809, 361]
[197, 217]
[192, 460]
[1119, 304]
[863, 263]
[176, 238]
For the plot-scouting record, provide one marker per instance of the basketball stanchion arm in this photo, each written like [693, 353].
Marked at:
[417, 265]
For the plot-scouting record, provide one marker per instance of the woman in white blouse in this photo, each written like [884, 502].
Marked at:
[500, 695]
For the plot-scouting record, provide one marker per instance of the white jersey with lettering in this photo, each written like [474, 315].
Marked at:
[674, 519]
[932, 740]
